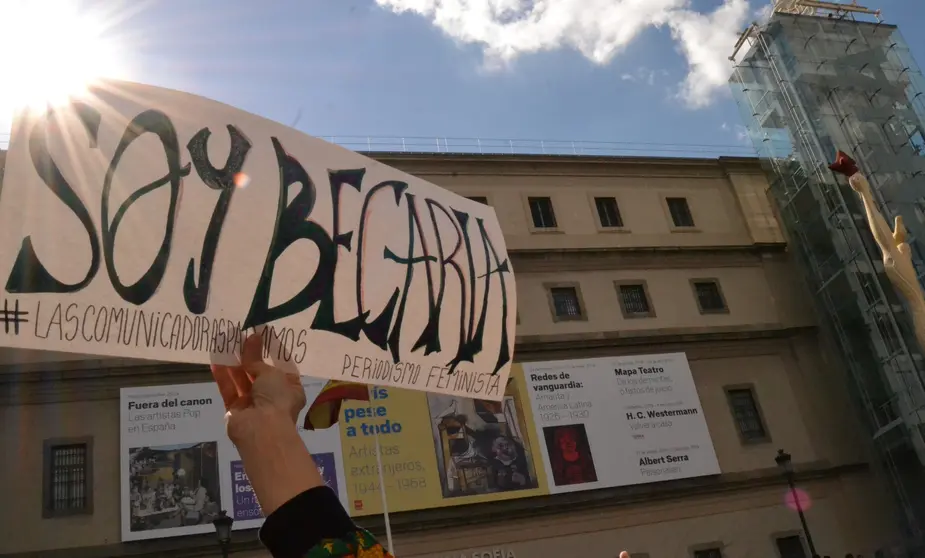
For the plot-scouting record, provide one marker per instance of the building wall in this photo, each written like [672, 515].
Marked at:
[772, 368]
[743, 525]
[766, 340]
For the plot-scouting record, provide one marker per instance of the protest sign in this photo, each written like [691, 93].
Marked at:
[144, 222]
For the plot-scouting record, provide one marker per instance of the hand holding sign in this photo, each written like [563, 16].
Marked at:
[256, 392]
[263, 404]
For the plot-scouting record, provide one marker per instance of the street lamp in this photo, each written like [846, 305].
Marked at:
[785, 463]
[223, 531]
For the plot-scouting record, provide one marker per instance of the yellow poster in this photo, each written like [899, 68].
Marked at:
[440, 450]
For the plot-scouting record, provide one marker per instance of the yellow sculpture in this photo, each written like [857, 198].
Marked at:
[897, 256]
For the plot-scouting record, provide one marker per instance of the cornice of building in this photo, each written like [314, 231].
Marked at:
[697, 343]
[645, 257]
[97, 380]
[578, 164]
[547, 158]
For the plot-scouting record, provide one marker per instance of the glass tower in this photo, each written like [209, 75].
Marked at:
[814, 78]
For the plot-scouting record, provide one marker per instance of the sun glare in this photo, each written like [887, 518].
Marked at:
[53, 50]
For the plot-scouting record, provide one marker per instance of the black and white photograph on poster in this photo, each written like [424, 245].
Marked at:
[174, 486]
[178, 469]
[482, 446]
[173, 448]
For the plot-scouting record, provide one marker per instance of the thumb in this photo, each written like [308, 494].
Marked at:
[624, 554]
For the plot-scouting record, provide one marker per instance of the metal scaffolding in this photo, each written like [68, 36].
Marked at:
[810, 80]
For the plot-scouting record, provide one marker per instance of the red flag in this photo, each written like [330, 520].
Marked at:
[844, 165]
[325, 409]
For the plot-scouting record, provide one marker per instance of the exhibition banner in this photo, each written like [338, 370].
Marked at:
[617, 421]
[560, 427]
[440, 450]
[142, 222]
[179, 469]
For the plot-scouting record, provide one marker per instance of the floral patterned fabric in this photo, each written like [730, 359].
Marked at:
[359, 544]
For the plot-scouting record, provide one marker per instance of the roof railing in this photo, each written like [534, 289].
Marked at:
[486, 146]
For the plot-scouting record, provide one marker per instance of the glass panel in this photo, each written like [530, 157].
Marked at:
[542, 213]
[608, 212]
[680, 212]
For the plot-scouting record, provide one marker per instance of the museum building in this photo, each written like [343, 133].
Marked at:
[615, 257]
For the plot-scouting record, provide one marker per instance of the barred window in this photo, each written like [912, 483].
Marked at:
[68, 478]
[746, 415]
[709, 297]
[565, 303]
[634, 300]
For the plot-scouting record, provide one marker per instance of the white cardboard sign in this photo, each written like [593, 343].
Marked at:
[148, 223]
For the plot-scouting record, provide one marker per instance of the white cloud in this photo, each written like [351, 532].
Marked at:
[742, 134]
[644, 75]
[598, 29]
[707, 41]
[739, 131]
[764, 13]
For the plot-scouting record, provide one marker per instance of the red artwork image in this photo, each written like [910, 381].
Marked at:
[569, 454]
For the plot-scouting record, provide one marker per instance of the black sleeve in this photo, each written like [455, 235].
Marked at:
[301, 523]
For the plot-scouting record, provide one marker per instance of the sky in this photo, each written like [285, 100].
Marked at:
[648, 75]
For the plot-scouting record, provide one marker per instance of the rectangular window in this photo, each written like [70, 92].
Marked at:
[565, 302]
[708, 553]
[745, 412]
[680, 212]
[68, 476]
[608, 212]
[543, 215]
[479, 199]
[790, 547]
[634, 300]
[709, 298]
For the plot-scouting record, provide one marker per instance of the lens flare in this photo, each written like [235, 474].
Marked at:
[241, 180]
[61, 49]
[798, 496]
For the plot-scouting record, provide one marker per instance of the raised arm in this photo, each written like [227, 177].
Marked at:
[305, 519]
